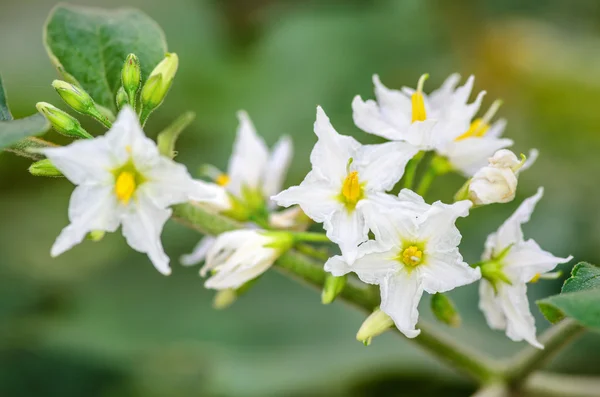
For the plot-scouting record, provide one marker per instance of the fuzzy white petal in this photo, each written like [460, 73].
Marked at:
[375, 262]
[382, 166]
[437, 224]
[277, 166]
[444, 271]
[389, 217]
[510, 232]
[471, 154]
[368, 117]
[489, 304]
[90, 208]
[496, 129]
[332, 152]
[199, 252]
[400, 296]
[394, 105]
[347, 229]
[142, 227]
[249, 158]
[520, 324]
[314, 195]
[527, 259]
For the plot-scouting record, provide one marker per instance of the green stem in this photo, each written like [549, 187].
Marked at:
[531, 358]
[310, 237]
[426, 181]
[313, 252]
[411, 170]
[310, 272]
[558, 385]
[96, 115]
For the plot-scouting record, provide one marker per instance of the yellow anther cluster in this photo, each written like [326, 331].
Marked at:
[418, 102]
[477, 129]
[352, 191]
[222, 180]
[125, 186]
[412, 256]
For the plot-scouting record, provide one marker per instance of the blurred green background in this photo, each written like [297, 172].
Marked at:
[100, 321]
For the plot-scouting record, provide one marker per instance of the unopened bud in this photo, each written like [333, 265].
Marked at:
[376, 324]
[44, 168]
[80, 101]
[504, 158]
[62, 122]
[332, 288]
[96, 235]
[444, 310]
[131, 77]
[224, 298]
[158, 84]
[493, 185]
[121, 98]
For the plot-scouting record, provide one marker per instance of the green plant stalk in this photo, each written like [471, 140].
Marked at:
[310, 272]
[531, 358]
[167, 138]
[426, 181]
[310, 237]
[314, 253]
[411, 170]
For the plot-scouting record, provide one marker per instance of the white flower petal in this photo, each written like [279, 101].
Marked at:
[348, 230]
[142, 227]
[490, 305]
[533, 155]
[527, 259]
[496, 129]
[510, 232]
[199, 253]
[389, 218]
[127, 140]
[382, 166]
[471, 154]
[437, 224]
[375, 262]
[424, 135]
[520, 324]
[277, 166]
[314, 195]
[368, 117]
[400, 296]
[394, 105]
[439, 97]
[332, 152]
[249, 158]
[444, 271]
[90, 208]
[85, 161]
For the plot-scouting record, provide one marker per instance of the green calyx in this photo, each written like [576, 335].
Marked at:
[493, 270]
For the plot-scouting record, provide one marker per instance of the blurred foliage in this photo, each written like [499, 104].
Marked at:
[100, 321]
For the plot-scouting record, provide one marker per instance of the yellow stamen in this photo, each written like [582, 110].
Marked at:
[222, 180]
[535, 278]
[412, 256]
[352, 190]
[479, 127]
[418, 102]
[125, 186]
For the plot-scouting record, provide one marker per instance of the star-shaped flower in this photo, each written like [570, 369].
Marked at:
[123, 180]
[346, 182]
[413, 251]
[510, 262]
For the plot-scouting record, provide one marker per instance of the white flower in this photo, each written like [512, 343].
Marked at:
[239, 256]
[426, 121]
[497, 182]
[123, 180]
[520, 261]
[413, 252]
[252, 169]
[345, 182]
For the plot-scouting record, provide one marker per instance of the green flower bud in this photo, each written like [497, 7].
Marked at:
[121, 98]
[80, 101]
[376, 324]
[224, 298]
[62, 122]
[332, 288]
[74, 96]
[158, 84]
[131, 77]
[44, 168]
[444, 310]
[96, 235]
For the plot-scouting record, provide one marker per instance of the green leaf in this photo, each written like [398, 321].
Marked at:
[4, 111]
[89, 45]
[14, 130]
[579, 299]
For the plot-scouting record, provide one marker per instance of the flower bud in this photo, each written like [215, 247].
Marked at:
[158, 84]
[504, 158]
[44, 168]
[444, 310]
[131, 77]
[74, 96]
[493, 185]
[96, 235]
[121, 98]
[62, 122]
[332, 288]
[224, 298]
[376, 324]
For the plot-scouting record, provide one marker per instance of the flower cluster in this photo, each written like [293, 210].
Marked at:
[399, 242]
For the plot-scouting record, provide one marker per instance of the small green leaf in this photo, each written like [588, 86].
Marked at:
[4, 111]
[579, 299]
[89, 45]
[14, 130]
